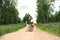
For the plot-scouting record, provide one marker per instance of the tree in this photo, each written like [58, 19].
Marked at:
[42, 11]
[57, 16]
[26, 17]
[8, 12]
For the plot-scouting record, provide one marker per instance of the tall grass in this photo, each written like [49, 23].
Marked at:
[10, 28]
[53, 28]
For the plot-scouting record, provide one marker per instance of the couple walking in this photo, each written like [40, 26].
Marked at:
[30, 24]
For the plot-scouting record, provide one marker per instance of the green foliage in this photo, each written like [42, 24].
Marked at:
[57, 16]
[53, 28]
[8, 12]
[52, 0]
[42, 11]
[4, 29]
[26, 17]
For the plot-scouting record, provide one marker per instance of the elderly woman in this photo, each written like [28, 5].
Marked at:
[30, 23]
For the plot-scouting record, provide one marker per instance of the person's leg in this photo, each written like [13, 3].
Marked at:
[32, 27]
[28, 27]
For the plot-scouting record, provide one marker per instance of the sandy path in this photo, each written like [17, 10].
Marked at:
[24, 35]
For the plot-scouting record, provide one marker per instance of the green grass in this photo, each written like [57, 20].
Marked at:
[4, 29]
[53, 28]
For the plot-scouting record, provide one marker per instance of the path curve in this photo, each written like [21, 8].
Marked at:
[25, 35]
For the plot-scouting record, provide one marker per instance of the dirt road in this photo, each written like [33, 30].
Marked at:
[25, 35]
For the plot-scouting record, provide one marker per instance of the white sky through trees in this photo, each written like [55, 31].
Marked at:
[29, 6]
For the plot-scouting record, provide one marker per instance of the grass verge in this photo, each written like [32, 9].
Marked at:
[53, 28]
[4, 29]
